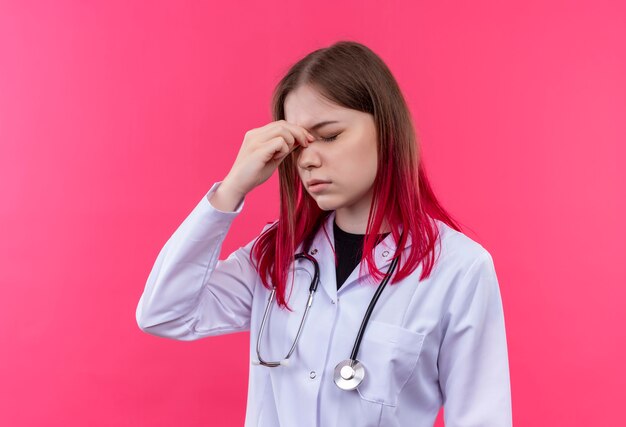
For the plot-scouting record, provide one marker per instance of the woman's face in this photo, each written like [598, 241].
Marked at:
[344, 154]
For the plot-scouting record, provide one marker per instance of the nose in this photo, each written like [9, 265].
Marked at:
[309, 157]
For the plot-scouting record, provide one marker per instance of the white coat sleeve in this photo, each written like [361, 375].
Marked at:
[473, 357]
[190, 293]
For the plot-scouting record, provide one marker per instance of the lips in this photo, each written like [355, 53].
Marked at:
[316, 181]
[316, 186]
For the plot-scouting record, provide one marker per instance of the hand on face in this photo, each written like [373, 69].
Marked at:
[262, 150]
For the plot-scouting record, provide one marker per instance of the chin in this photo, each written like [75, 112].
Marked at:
[324, 204]
[325, 208]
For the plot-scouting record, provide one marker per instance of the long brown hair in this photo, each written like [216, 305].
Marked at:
[351, 75]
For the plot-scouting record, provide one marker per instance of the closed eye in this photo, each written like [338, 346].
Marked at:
[330, 138]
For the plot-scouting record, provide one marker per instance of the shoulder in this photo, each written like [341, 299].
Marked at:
[269, 225]
[459, 250]
[465, 275]
[464, 268]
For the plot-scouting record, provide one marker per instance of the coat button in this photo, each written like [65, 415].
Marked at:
[312, 375]
[385, 253]
[314, 251]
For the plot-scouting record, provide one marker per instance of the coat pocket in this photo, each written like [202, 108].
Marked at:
[389, 354]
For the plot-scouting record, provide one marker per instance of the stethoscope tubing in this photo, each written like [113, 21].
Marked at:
[312, 289]
[370, 308]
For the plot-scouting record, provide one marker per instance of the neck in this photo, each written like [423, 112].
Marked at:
[353, 218]
[356, 225]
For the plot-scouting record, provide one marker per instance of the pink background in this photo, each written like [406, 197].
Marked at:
[116, 117]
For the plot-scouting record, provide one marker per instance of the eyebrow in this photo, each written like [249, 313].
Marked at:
[322, 124]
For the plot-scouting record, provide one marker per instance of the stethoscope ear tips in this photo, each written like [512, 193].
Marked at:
[255, 362]
[284, 362]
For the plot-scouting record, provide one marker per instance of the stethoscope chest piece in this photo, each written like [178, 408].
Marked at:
[349, 374]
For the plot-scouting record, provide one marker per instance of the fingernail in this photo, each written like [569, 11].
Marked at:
[310, 137]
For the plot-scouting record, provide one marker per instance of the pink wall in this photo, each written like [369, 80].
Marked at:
[116, 117]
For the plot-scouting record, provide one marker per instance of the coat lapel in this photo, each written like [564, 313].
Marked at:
[383, 254]
[323, 247]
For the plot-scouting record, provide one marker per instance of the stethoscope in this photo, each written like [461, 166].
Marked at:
[348, 373]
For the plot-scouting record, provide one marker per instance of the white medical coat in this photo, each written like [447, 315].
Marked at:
[438, 342]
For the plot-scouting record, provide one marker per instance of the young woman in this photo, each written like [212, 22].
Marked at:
[407, 316]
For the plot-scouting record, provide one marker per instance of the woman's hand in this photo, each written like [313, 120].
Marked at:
[262, 150]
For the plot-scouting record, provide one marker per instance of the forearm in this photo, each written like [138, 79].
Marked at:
[225, 198]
